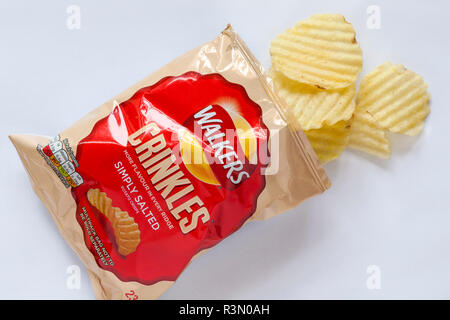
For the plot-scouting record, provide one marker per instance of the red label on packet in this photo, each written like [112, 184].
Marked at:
[47, 151]
[171, 171]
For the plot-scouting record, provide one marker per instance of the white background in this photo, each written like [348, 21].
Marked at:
[393, 214]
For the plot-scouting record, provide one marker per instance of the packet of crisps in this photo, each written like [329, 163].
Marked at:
[170, 167]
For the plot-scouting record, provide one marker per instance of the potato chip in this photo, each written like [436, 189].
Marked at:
[329, 141]
[126, 230]
[366, 135]
[321, 51]
[396, 97]
[314, 107]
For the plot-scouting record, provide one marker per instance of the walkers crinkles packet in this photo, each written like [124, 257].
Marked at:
[170, 167]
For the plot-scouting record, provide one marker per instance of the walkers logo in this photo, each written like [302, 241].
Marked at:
[171, 171]
[233, 148]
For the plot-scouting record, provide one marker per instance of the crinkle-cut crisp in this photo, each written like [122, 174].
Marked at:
[330, 141]
[126, 230]
[312, 107]
[396, 97]
[366, 135]
[321, 51]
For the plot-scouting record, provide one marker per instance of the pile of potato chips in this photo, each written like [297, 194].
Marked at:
[315, 66]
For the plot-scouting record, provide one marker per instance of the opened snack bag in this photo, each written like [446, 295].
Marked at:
[170, 167]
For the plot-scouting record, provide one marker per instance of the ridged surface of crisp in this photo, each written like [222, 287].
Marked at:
[126, 230]
[329, 141]
[366, 135]
[314, 107]
[396, 97]
[321, 51]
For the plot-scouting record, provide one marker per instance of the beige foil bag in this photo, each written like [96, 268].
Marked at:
[296, 172]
